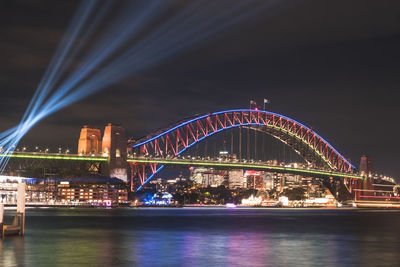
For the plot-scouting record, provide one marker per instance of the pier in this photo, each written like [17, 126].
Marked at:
[18, 224]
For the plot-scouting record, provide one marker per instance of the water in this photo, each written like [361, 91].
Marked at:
[205, 237]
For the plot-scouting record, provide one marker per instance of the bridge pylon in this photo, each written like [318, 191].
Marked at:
[114, 147]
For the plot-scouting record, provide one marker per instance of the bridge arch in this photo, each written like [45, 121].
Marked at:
[179, 137]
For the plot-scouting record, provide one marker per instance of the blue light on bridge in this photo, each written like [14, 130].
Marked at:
[150, 177]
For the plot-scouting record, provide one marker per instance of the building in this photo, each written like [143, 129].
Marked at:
[269, 180]
[89, 190]
[204, 177]
[236, 179]
[8, 188]
[254, 179]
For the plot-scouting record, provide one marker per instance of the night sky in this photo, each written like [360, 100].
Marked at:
[332, 65]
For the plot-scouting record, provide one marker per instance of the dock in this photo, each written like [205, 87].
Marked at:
[18, 225]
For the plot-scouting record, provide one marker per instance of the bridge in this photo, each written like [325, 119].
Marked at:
[150, 154]
[165, 145]
[261, 166]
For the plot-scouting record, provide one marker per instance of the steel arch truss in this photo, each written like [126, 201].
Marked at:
[176, 139]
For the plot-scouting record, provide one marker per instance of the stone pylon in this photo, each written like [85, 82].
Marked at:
[114, 146]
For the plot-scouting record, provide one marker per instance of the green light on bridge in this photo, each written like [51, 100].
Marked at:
[247, 166]
[55, 157]
[190, 163]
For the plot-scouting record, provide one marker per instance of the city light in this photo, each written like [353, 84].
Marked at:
[252, 201]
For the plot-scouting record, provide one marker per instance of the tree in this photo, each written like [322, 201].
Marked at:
[294, 193]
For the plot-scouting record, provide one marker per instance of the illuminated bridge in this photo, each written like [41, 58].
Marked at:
[150, 154]
[164, 146]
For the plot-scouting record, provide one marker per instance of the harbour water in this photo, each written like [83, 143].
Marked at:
[205, 237]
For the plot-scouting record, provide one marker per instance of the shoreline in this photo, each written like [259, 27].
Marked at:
[219, 207]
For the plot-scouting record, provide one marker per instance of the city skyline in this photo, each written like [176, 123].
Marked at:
[338, 78]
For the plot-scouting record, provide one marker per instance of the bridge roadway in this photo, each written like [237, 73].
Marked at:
[54, 156]
[245, 165]
[194, 162]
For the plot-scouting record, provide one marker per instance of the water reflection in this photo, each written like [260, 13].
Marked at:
[189, 237]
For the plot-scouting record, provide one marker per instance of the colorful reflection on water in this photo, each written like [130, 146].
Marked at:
[205, 237]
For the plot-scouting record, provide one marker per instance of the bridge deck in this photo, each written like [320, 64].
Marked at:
[247, 166]
[182, 162]
[55, 156]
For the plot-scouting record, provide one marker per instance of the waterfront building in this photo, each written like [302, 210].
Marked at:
[158, 199]
[269, 181]
[8, 188]
[254, 179]
[204, 177]
[252, 201]
[236, 179]
[89, 190]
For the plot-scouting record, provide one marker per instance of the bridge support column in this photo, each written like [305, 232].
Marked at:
[142, 171]
[338, 188]
[114, 146]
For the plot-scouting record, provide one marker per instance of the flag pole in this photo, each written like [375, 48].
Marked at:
[266, 101]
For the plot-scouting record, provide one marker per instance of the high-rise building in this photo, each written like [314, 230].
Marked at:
[236, 178]
[208, 177]
[269, 180]
[254, 179]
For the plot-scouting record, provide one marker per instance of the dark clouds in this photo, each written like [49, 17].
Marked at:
[333, 65]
